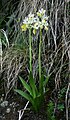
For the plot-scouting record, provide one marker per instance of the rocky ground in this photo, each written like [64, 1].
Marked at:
[9, 110]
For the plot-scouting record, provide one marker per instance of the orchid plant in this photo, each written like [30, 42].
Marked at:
[35, 94]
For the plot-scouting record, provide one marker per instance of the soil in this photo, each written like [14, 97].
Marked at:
[16, 103]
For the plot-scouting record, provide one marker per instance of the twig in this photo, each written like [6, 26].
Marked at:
[21, 112]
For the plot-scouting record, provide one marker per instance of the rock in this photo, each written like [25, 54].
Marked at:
[0, 117]
[4, 104]
[8, 110]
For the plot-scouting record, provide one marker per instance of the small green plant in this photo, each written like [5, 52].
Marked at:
[35, 94]
[60, 107]
[61, 99]
[62, 93]
[50, 111]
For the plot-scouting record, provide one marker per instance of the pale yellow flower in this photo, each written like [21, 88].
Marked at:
[24, 27]
[46, 28]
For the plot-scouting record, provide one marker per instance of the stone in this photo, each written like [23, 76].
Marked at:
[4, 104]
[8, 110]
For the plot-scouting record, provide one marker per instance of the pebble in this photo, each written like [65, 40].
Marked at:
[4, 104]
[0, 117]
[8, 110]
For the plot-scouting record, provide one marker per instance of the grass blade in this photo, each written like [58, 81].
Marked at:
[23, 94]
[25, 85]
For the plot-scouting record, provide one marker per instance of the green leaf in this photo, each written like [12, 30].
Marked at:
[32, 84]
[28, 97]
[60, 107]
[23, 94]
[26, 86]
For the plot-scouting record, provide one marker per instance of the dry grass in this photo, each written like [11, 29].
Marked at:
[55, 50]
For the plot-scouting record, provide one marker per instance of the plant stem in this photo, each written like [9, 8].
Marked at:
[40, 57]
[30, 50]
